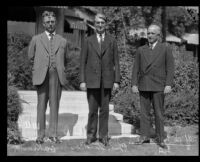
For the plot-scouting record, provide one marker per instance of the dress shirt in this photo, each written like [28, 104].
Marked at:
[48, 34]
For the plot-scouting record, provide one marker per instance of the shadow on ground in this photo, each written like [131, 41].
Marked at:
[67, 121]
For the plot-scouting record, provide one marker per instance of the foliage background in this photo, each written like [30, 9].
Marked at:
[14, 109]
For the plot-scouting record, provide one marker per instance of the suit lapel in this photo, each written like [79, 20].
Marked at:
[95, 44]
[57, 43]
[45, 42]
[146, 54]
[105, 44]
[156, 52]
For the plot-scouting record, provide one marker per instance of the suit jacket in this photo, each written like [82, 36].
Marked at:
[39, 52]
[96, 65]
[153, 73]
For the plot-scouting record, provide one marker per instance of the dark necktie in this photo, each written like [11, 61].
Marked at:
[100, 41]
[51, 36]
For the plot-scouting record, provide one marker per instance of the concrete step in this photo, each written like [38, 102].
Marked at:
[73, 116]
[70, 125]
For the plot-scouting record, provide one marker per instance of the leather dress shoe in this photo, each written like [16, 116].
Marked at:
[40, 140]
[54, 140]
[90, 140]
[143, 140]
[104, 141]
[162, 144]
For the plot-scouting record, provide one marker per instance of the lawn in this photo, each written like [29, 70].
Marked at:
[181, 141]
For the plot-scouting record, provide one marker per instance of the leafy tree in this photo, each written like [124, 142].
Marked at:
[179, 21]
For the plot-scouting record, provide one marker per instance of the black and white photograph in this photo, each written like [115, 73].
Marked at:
[103, 81]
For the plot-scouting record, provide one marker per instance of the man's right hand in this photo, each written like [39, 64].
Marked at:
[135, 89]
[83, 86]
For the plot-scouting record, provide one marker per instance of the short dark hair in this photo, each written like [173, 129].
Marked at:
[48, 13]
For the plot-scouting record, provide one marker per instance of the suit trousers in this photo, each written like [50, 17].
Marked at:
[50, 90]
[157, 101]
[98, 99]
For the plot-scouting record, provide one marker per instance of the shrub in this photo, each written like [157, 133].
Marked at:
[182, 104]
[14, 109]
[18, 64]
[72, 70]
[127, 103]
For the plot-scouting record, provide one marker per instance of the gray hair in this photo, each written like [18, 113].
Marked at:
[157, 27]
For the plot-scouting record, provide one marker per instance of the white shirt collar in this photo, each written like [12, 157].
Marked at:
[98, 36]
[154, 44]
[47, 33]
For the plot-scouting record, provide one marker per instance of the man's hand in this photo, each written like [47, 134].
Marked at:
[135, 89]
[167, 89]
[115, 86]
[83, 86]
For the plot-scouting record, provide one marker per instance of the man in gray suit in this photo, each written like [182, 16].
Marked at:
[152, 78]
[48, 53]
[99, 73]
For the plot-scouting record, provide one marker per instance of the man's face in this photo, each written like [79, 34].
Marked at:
[49, 23]
[153, 34]
[100, 25]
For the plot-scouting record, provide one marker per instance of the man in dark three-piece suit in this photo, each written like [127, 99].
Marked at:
[47, 51]
[152, 77]
[99, 73]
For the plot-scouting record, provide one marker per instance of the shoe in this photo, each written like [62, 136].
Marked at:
[143, 140]
[90, 140]
[160, 143]
[54, 140]
[163, 145]
[104, 141]
[40, 140]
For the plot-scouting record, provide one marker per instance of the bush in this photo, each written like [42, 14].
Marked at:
[72, 70]
[18, 64]
[14, 109]
[182, 104]
[127, 103]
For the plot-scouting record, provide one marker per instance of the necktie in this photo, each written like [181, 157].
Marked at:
[100, 41]
[51, 36]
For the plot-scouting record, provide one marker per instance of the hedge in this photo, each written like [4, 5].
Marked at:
[14, 109]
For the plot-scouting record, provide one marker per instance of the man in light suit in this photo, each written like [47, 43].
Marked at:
[152, 77]
[47, 51]
[99, 73]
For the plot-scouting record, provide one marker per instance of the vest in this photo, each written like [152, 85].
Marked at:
[52, 58]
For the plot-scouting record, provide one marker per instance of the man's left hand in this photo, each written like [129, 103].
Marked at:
[115, 86]
[167, 89]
